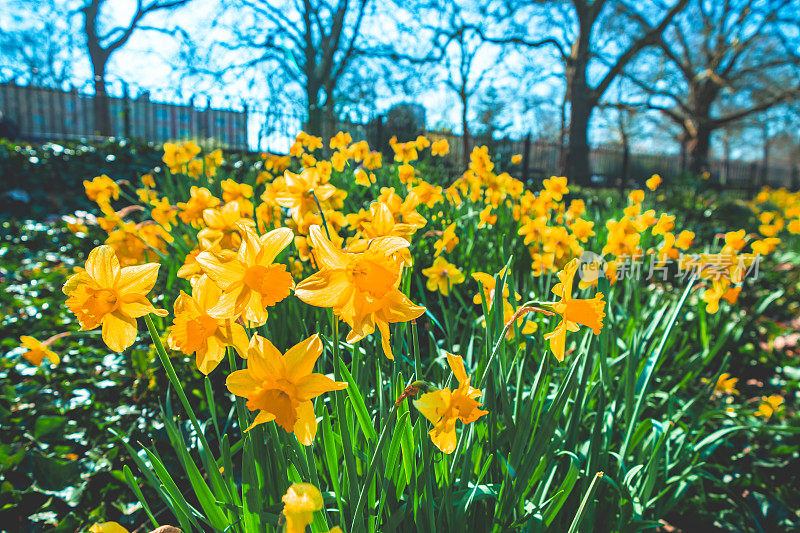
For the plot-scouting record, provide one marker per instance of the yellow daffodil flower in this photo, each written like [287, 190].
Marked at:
[195, 332]
[447, 241]
[653, 182]
[36, 351]
[444, 407]
[101, 189]
[250, 282]
[112, 297]
[108, 527]
[281, 387]
[361, 287]
[573, 311]
[440, 147]
[769, 405]
[442, 276]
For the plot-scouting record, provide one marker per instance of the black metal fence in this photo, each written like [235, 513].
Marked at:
[51, 114]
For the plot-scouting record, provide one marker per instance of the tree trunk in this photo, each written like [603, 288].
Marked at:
[765, 159]
[684, 155]
[314, 111]
[699, 146]
[102, 111]
[578, 167]
[465, 135]
[625, 170]
[562, 138]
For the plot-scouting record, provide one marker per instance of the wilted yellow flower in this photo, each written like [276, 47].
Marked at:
[105, 294]
[250, 282]
[442, 276]
[361, 287]
[194, 331]
[281, 387]
[573, 311]
[444, 407]
[37, 351]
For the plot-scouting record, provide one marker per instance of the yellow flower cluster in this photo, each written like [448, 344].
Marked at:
[246, 244]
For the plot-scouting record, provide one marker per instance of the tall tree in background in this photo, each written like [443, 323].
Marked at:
[102, 41]
[721, 62]
[595, 40]
[313, 43]
[36, 45]
[464, 70]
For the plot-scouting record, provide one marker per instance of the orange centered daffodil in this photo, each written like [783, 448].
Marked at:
[250, 282]
[573, 311]
[361, 287]
[112, 297]
[443, 407]
[194, 331]
[281, 387]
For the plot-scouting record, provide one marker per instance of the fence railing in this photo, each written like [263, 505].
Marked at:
[37, 113]
[40, 113]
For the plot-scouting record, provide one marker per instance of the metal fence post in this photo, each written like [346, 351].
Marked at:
[526, 158]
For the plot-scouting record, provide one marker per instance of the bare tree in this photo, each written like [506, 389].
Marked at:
[311, 42]
[36, 44]
[461, 45]
[720, 63]
[595, 40]
[102, 42]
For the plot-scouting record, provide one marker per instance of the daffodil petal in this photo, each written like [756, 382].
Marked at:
[306, 426]
[103, 266]
[301, 358]
[119, 331]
